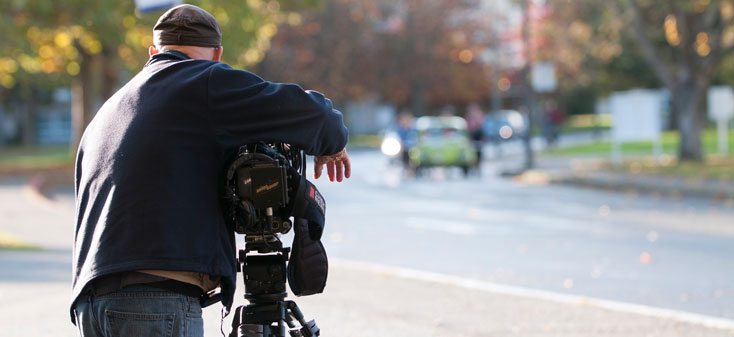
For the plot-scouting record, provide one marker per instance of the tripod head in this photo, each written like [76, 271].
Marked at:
[263, 265]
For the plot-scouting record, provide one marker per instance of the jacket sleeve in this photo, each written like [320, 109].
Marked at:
[244, 108]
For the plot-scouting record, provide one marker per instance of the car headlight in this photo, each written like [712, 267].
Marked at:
[505, 132]
[390, 146]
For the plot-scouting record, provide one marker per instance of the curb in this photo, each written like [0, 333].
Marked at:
[649, 186]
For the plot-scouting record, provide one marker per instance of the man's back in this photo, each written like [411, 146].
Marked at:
[149, 166]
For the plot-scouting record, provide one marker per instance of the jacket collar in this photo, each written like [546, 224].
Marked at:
[168, 55]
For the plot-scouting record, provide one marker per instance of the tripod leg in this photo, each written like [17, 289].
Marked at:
[259, 320]
[308, 329]
[249, 330]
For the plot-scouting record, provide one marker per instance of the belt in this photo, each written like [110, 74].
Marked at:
[111, 283]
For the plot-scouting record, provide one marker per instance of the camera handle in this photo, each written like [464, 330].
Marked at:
[263, 266]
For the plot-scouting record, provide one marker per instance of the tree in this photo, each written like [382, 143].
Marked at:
[584, 40]
[414, 54]
[88, 44]
[698, 33]
[683, 43]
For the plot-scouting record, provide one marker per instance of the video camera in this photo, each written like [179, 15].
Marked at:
[264, 188]
[260, 187]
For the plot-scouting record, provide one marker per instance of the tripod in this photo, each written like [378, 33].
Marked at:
[263, 265]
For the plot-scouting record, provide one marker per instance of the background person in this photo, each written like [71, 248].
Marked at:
[474, 126]
[553, 121]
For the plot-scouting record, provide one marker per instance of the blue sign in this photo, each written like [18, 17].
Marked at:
[147, 6]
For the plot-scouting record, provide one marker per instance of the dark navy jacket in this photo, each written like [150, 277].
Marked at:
[150, 165]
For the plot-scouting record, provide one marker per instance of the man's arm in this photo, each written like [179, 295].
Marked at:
[244, 109]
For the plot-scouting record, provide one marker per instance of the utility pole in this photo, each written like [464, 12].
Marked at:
[528, 92]
[494, 75]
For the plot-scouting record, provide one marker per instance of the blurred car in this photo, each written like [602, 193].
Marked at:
[442, 141]
[504, 125]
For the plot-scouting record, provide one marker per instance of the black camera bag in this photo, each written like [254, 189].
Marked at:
[308, 267]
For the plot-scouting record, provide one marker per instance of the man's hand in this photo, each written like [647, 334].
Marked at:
[336, 165]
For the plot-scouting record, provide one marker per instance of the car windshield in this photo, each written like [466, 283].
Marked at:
[446, 132]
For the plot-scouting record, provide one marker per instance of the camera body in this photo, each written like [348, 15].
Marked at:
[260, 188]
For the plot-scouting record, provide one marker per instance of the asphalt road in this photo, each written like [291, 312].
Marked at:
[470, 235]
[662, 252]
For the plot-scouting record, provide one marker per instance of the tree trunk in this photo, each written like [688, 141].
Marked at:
[82, 99]
[688, 100]
[673, 118]
[110, 73]
[418, 99]
[29, 118]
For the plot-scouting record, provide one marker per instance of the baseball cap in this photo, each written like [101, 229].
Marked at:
[187, 25]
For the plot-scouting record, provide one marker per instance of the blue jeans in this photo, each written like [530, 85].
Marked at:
[137, 311]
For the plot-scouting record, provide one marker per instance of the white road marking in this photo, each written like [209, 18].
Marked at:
[457, 281]
[452, 227]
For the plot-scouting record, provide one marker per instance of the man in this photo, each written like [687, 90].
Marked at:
[150, 236]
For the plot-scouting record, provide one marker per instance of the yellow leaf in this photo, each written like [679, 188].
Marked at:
[128, 22]
[727, 38]
[71, 52]
[702, 38]
[256, 4]
[62, 39]
[73, 68]
[92, 46]
[46, 51]
[273, 6]
[8, 65]
[77, 31]
[146, 40]
[248, 24]
[222, 17]
[727, 10]
[124, 52]
[263, 44]
[466, 56]
[267, 31]
[252, 56]
[703, 49]
[294, 19]
[7, 81]
[48, 66]
[33, 33]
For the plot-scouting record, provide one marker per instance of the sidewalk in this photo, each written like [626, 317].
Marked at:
[363, 300]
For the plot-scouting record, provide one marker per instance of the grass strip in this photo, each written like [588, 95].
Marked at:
[714, 168]
[9, 242]
[670, 141]
[34, 157]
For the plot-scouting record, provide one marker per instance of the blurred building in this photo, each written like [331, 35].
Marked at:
[369, 117]
[53, 122]
[46, 122]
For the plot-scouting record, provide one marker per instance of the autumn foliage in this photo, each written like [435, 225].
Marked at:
[419, 55]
